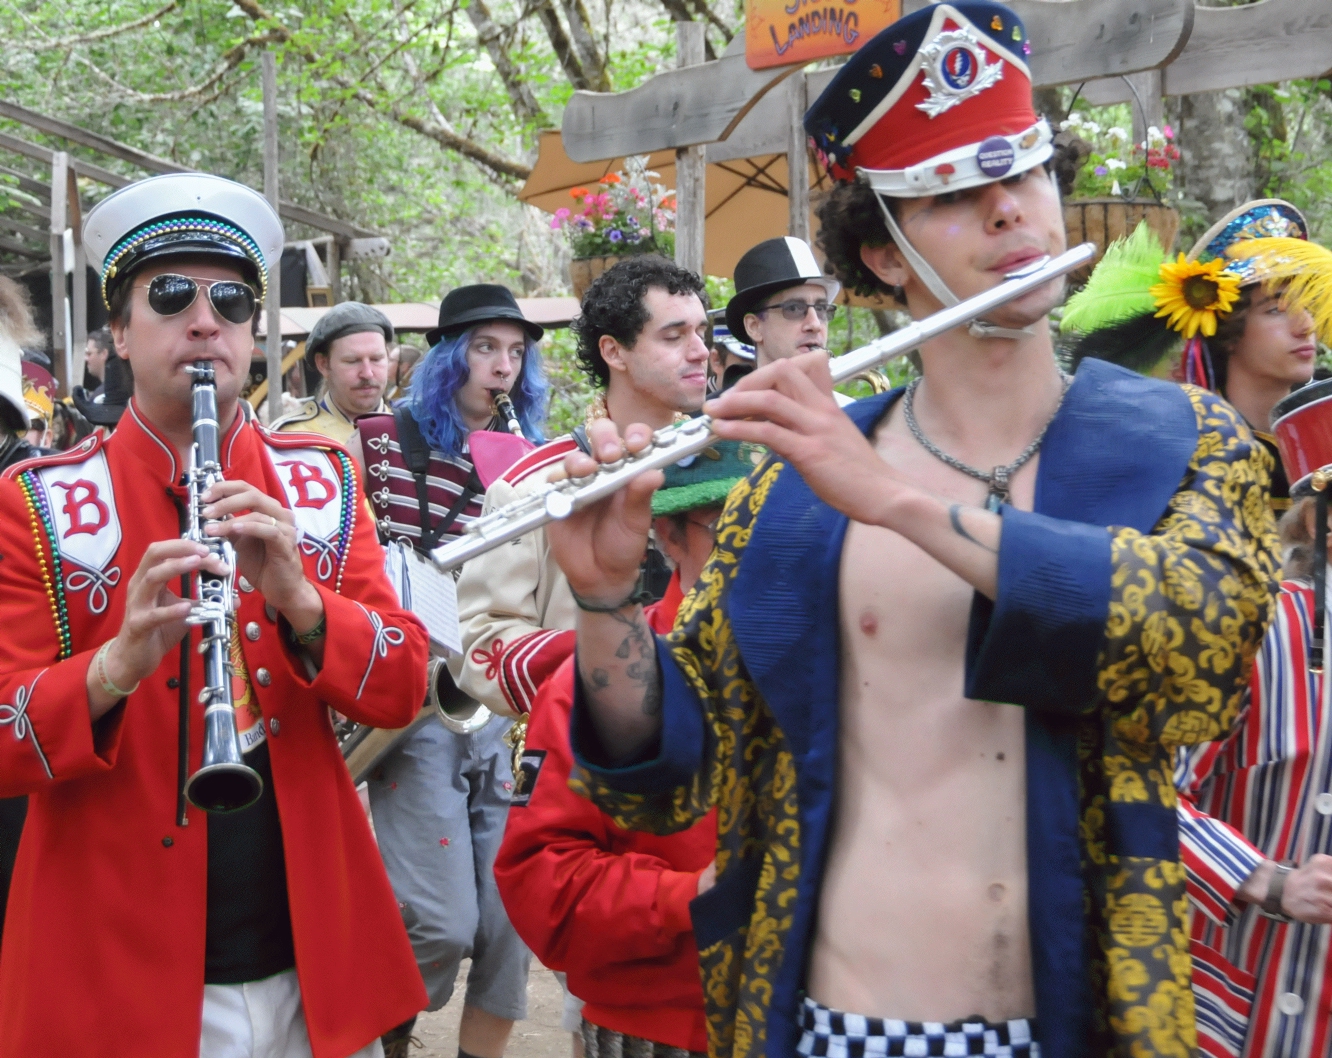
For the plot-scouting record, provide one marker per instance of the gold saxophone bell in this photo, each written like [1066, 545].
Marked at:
[457, 712]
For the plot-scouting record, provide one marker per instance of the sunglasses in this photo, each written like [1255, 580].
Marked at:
[795, 310]
[170, 295]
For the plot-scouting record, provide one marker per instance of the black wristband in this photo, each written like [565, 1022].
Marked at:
[632, 599]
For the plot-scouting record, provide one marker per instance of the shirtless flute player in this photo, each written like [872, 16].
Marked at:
[934, 672]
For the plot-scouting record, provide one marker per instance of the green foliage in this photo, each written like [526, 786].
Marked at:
[1291, 124]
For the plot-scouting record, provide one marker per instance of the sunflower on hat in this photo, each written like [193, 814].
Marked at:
[1138, 304]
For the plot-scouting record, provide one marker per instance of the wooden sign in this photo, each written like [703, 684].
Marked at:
[782, 32]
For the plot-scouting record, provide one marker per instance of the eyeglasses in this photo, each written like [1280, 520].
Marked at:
[170, 295]
[710, 526]
[796, 310]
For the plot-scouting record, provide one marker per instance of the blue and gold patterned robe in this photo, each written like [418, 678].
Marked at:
[1123, 643]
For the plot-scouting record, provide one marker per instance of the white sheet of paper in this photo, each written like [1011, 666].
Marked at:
[430, 594]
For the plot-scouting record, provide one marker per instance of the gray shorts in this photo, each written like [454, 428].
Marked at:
[439, 803]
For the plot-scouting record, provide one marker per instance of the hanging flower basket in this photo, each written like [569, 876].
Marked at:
[1103, 220]
[582, 270]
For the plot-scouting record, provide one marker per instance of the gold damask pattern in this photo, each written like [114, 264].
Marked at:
[1189, 605]
[1188, 608]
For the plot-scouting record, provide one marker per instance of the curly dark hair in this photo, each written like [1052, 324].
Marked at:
[614, 305]
[849, 218]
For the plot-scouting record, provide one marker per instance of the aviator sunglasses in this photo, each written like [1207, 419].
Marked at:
[796, 309]
[170, 294]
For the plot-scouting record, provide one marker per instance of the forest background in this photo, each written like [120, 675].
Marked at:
[418, 119]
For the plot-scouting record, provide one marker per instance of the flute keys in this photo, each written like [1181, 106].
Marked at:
[558, 505]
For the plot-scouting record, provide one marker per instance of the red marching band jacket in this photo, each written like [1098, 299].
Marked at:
[609, 907]
[104, 940]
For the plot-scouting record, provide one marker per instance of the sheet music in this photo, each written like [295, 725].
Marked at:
[430, 594]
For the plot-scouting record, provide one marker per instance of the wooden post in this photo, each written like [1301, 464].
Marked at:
[797, 157]
[78, 284]
[273, 303]
[690, 167]
[1148, 102]
[60, 365]
[334, 265]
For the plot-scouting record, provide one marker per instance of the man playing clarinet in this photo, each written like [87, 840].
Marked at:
[934, 672]
[139, 924]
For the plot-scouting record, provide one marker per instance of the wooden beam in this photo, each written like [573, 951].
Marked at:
[9, 246]
[797, 157]
[1231, 47]
[1071, 42]
[273, 299]
[691, 196]
[59, 222]
[677, 108]
[26, 230]
[78, 286]
[86, 138]
[28, 184]
[47, 156]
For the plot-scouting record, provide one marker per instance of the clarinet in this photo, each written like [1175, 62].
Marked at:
[559, 499]
[225, 783]
[504, 409]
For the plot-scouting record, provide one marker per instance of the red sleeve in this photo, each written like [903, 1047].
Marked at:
[375, 652]
[529, 661]
[562, 879]
[46, 734]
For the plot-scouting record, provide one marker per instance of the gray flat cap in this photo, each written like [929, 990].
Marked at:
[349, 317]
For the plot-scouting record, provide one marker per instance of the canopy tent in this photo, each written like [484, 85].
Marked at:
[746, 197]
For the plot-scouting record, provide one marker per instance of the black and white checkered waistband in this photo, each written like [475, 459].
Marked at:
[834, 1034]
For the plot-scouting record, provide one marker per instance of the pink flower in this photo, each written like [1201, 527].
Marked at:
[556, 224]
[562, 212]
[1168, 132]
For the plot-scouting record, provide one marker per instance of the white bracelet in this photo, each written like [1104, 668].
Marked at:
[99, 669]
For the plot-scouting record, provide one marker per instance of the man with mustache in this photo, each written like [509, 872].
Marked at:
[240, 934]
[931, 680]
[349, 347]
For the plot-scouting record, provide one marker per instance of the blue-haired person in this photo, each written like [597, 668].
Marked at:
[441, 796]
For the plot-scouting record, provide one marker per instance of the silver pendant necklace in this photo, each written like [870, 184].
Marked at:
[997, 479]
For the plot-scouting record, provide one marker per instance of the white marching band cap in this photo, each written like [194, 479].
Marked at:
[180, 214]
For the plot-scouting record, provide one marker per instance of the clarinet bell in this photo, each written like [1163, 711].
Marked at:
[225, 783]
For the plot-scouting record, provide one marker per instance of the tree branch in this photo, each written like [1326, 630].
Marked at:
[229, 62]
[580, 28]
[491, 36]
[105, 32]
[437, 129]
[564, 49]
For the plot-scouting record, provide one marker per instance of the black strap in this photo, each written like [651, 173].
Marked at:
[416, 455]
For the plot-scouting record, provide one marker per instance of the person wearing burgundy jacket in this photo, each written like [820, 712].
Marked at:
[610, 907]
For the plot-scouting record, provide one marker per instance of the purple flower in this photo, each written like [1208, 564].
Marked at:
[1100, 170]
[615, 235]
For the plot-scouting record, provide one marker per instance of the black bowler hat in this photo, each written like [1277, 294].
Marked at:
[105, 406]
[479, 303]
[771, 266]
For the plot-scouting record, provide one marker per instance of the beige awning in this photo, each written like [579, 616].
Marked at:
[746, 197]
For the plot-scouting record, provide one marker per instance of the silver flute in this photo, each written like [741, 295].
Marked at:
[225, 783]
[559, 499]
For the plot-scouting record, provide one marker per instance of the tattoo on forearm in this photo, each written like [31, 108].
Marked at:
[955, 517]
[639, 645]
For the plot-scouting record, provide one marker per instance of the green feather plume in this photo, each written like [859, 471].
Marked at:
[1118, 287]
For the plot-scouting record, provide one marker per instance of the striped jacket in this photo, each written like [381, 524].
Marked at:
[1264, 792]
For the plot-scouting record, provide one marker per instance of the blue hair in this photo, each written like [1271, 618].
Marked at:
[444, 371]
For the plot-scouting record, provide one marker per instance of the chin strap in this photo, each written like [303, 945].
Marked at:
[936, 286]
